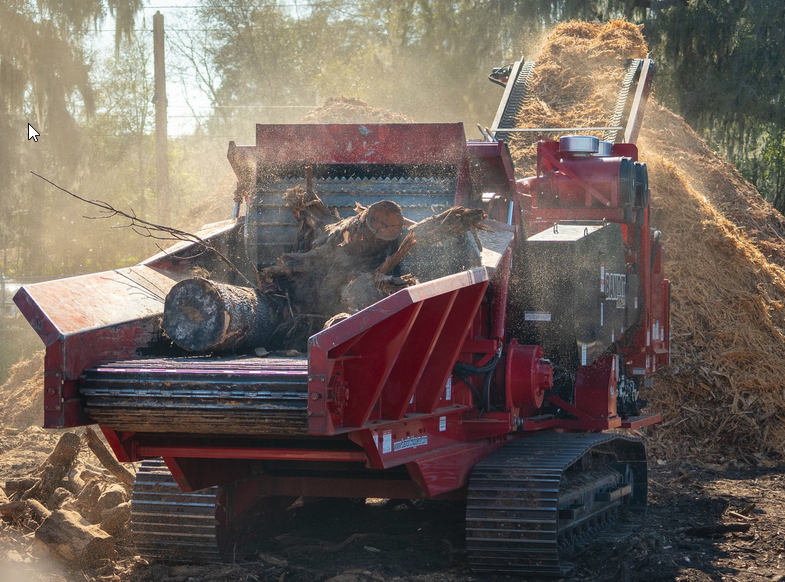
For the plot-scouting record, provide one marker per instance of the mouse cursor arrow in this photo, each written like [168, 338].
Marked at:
[32, 133]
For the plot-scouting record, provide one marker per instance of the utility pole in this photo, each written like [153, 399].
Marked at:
[161, 139]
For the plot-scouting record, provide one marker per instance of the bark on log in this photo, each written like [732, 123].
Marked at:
[111, 497]
[58, 497]
[716, 530]
[452, 222]
[446, 244]
[39, 511]
[87, 501]
[73, 540]
[344, 250]
[107, 459]
[201, 315]
[55, 468]
[381, 221]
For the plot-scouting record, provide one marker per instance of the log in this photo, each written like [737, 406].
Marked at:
[382, 221]
[115, 519]
[707, 531]
[202, 315]
[314, 280]
[13, 509]
[58, 497]
[13, 486]
[55, 468]
[39, 512]
[452, 222]
[107, 459]
[71, 539]
[111, 497]
[446, 244]
[87, 501]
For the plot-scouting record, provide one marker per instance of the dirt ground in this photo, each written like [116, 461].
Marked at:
[391, 540]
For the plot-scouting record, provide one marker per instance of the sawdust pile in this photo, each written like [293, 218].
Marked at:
[22, 395]
[576, 81]
[351, 110]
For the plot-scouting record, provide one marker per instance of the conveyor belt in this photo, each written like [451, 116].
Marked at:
[531, 504]
[624, 102]
[201, 395]
[509, 109]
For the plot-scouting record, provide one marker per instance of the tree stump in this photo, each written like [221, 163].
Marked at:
[55, 468]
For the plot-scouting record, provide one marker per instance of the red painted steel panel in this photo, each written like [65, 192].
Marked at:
[270, 453]
[410, 143]
[449, 469]
[346, 348]
[415, 354]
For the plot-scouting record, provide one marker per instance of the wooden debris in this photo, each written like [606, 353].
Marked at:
[115, 519]
[39, 511]
[107, 459]
[71, 539]
[13, 509]
[310, 213]
[707, 531]
[58, 496]
[13, 486]
[55, 468]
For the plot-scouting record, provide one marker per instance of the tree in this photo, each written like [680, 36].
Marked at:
[44, 80]
[723, 69]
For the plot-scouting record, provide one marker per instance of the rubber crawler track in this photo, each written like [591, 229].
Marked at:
[526, 513]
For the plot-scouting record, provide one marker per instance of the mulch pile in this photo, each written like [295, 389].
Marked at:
[352, 110]
[722, 397]
[576, 81]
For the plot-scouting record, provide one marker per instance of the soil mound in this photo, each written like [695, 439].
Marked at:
[351, 110]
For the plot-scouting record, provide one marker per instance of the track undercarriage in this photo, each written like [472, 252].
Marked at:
[531, 506]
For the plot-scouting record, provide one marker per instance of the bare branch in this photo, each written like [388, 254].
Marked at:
[148, 229]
